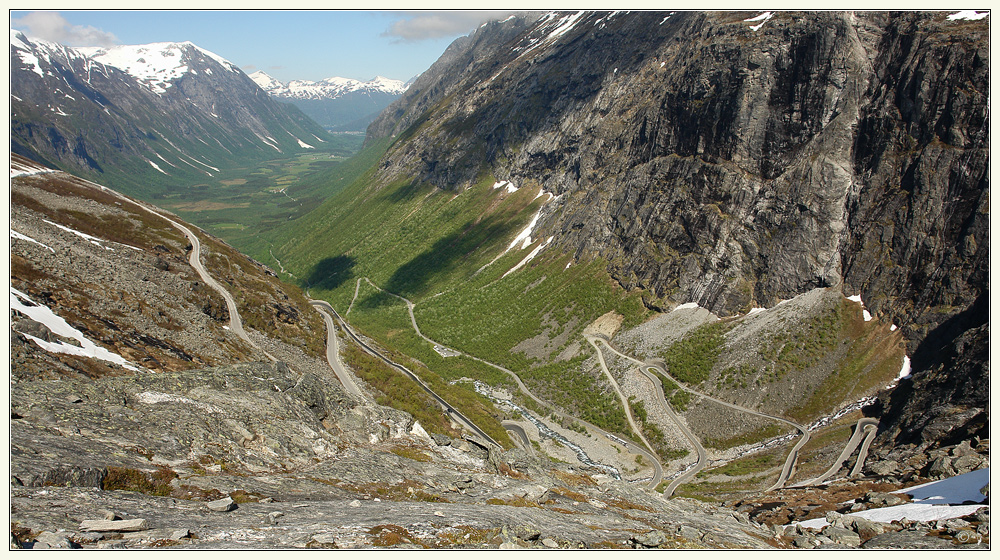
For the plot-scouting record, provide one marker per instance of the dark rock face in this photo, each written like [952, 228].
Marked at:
[709, 161]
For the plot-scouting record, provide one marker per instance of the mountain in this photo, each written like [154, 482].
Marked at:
[548, 171]
[148, 117]
[736, 159]
[339, 104]
[596, 280]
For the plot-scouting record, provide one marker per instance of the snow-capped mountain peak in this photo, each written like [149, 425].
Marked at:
[157, 65]
[329, 88]
[33, 51]
[265, 81]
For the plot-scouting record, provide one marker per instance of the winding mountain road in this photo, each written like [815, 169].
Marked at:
[333, 352]
[864, 433]
[789, 466]
[451, 411]
[630, 446]
[520, 432]
[235, 322]
[699, 449]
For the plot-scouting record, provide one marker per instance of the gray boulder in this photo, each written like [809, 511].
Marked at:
[225, 504]
[883, 499]
[107, 526]
[884, 468]
[841, 536]
[651, 539]
[48, 539]
[941, 468]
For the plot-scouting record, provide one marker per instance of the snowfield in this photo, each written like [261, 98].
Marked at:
[941, 499]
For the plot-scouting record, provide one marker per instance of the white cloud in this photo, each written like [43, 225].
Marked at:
[433, 25]
[51, 26]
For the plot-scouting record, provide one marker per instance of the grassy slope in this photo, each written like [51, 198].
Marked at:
[427, 244]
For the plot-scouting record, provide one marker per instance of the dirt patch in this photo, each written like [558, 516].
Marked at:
[554, 337]
[607, 324]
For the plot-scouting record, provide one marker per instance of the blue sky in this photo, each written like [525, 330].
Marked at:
[288, 45]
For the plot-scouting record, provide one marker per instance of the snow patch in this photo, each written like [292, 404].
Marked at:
[157, 167]
[23, 304]
[153, 397]
[904, 372]
[95, 240]
[505, 184]
[216, 169]
[864, 312]
[892, 328]
[690, 305]
[303, 144]
[156, 65]
[534, 252]
[19, 170]
[271, 143]
[31, 60]
[525, 236]
[756, 310]
[762, 18]
[971, 15]
[21, 236]
[541, 193]
[164, 159]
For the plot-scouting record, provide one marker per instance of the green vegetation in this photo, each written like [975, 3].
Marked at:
[737, 377]
[135, 480]
[690, 359]
[760, 434]
[750, 464]
[678, 398]
[411, 453]
[718, 491]
[579, 394]
[872, 360]
[805, 346]
[397, 390]
[653, 433]
[241, 204]
[433, 246]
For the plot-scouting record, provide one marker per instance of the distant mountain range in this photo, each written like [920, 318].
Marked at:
[338, 104]
[145, 117]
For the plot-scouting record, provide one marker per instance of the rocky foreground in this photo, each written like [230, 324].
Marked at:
[257, 456]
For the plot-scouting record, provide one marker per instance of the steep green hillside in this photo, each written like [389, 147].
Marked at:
[445, 251]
